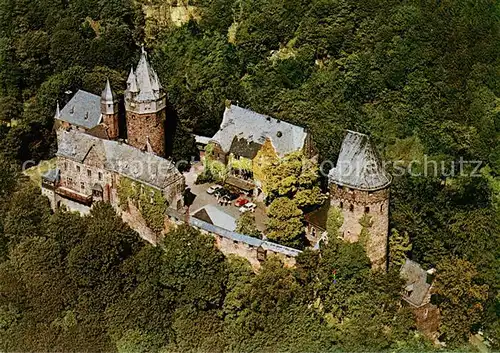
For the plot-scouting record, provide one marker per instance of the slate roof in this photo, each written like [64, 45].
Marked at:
[416, 283]
[84, 110]
[359, 165]
[217, 217]
[118, 157]
[253, 127]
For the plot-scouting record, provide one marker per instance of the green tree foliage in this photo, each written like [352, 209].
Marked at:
[140, 319]
[246, 225]
[461, 299]
[26, 215]
[87, 284]
[193, 268]
[42, 40]
[294, 177]
[419, 76]
[334, 221]
[399, 247]
[285, 223]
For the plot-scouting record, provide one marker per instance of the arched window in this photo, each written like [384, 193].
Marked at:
[367, 209]
[351, 208]
[341, 205]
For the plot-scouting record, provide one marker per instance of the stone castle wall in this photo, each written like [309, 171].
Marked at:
[357, 205]
[140, 127]
[231, 243]
[111, 122]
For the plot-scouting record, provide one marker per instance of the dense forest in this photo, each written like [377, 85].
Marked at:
[421, 77]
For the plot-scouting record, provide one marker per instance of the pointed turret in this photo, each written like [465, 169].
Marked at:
[145, 103]
[108, 95]
[132, 82]
[109, 111]
[146, 80]
[108, 100]
[58, 112]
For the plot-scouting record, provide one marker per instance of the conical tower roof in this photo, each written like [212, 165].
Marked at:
[108, 94]
[58, 112]
[359, 166]
[132, 82]
[147, 80]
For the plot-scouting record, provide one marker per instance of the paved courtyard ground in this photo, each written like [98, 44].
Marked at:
[203, 198]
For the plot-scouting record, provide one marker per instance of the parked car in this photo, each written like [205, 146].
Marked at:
[241, 201]
[212, 189]
[248, 207]
[227, 194]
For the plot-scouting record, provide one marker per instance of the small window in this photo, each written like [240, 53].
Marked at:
[99, 175]
[65, 165]
[82, 185]
[381, 208]
[351, 208]
[341, 205]
[367, 209]
[78, 168]
[89, 172]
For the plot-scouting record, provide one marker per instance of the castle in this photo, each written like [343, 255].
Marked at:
[358, 185]
[247, 142]
[92, 160]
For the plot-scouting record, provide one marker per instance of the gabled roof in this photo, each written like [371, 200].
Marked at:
[118, 157]
[416, 283]
[84, 110]
[217, 217]
[255, 128]
[359, 165]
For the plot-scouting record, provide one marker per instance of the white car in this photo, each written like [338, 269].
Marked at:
[248, 207]
[211, 190]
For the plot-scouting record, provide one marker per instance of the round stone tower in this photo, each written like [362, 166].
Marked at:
[145, 105]
[359, 187]
[109, 111]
